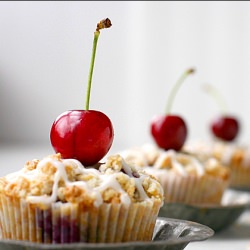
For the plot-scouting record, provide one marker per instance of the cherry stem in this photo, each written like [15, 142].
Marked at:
[217, 96]
[176, 87]
[105, 23]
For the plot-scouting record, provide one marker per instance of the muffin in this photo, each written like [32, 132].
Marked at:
[231, 155]
[187, 179]
[57, 200]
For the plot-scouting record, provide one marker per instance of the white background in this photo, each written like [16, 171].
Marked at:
[45, 50]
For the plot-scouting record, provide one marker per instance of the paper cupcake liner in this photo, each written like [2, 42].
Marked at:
[192, 189]
[68, 223]
[240, 176]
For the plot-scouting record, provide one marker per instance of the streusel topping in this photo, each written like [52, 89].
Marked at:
[171, 160]
[54, 179]
[186, 164]
[227, 153]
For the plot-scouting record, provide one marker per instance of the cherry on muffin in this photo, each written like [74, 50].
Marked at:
[224, 126]
[85, 135]
[170, 131]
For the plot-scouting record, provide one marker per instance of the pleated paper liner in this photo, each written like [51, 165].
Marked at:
[192, 189]
[240, 176]
[68, 223]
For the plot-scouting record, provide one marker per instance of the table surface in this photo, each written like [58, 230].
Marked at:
[237, 237]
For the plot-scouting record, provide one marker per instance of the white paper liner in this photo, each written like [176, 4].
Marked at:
[191, 189]
[68, 223]
[240, 176]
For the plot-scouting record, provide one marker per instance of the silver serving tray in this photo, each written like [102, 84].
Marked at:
[217, 217]
[245, 189]
[169, 234]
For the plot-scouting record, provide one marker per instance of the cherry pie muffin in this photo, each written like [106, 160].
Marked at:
[57, 200]
[184, 177]
[231, 155]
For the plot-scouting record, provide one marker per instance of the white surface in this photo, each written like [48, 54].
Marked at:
[13, 157]
[237, 237]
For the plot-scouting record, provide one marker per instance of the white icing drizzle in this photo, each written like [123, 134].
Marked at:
[140, 189]
[110, 181]
[138, 181]
[126, 168]
[178, 166]
[13, 176]
[106, 181]
[227, 155]
[227, 150]
[199, 167]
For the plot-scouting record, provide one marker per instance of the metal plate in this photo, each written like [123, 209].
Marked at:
[217, 217]
[169, 234]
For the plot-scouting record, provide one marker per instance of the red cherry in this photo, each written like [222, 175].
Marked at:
[225, 128]
[169, 131]
[85, 135]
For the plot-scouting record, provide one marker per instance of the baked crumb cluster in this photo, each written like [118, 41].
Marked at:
[66, 180]
[188, 164]
[227, 153]
[179, 162]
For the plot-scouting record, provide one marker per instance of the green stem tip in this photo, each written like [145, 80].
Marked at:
[176, 87]
[105, 23]
[217, 96]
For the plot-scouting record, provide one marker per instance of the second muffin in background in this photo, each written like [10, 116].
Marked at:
[185, 178]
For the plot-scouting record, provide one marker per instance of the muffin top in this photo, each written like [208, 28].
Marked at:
[227, 152]
[54, 179]
[186, 164]
[179, 162]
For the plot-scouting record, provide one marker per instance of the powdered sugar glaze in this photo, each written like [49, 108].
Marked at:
[104, 180]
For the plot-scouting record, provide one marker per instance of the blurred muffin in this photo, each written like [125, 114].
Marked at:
[57, 200]
[144, 155]
[187, 179]
[231, 155]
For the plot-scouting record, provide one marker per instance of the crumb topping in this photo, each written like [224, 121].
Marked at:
[187, 164]
[227, 153]
[179, 162]
[54, 179]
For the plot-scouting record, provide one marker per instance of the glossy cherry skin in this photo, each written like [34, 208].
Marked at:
[85, 135]
[169, 131]
[225, 128]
